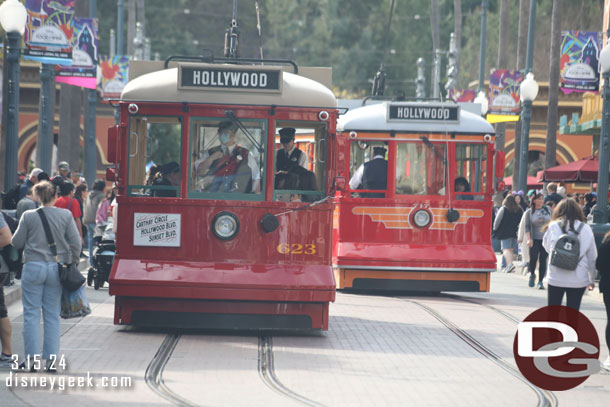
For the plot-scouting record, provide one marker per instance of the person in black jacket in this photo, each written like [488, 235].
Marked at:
[603, 265]
[506, 225]
[372, 175]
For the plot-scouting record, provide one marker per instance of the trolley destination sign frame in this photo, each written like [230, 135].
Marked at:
[420, 113]
[229, 78]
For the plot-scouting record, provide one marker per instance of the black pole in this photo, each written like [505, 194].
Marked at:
[12, 120]
[90, 136]
[46, 121]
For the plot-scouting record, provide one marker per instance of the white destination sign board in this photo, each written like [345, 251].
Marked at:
[156, 229]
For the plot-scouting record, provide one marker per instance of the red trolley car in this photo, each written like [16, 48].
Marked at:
[413, 231]
[214, 241]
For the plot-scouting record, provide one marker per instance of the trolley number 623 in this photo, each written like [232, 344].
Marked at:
[297, 248]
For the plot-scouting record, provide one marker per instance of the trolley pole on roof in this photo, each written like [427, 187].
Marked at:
[232, 36]
[379, 79]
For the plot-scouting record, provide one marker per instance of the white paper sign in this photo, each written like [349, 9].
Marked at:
[156, 229]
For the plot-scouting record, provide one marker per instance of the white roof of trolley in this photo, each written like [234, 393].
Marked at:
[375, 117]
[162, 86]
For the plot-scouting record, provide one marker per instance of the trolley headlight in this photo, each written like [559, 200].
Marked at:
[225, 225]
[422, 218]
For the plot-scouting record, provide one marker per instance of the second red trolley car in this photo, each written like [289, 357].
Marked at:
[417, 232]
[213, 241]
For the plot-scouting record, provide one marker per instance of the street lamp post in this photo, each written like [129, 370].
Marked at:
[600, 213]
[12, 19]
[482, 100]
[529, 91]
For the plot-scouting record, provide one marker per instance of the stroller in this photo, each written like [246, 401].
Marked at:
[103, 256]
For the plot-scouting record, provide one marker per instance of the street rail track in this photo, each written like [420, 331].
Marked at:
[154, 373]
[502, 312]
[266, 371]
[545, 397]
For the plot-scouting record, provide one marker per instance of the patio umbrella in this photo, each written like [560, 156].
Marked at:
[532, 182]
[583, 170]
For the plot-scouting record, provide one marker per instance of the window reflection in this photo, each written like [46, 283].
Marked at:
[421, 168]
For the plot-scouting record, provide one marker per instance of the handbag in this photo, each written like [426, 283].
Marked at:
[74, 304]
[69, 274]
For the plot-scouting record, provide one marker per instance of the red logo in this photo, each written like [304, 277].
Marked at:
[556, 348]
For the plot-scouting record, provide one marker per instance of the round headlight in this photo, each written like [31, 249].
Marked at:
[225, 226]
[422, 218]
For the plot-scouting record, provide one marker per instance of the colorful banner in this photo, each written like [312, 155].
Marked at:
[504, 91]
[579, 61]
[83, 71]
[114, 72]
[48, 31]
[462, 95]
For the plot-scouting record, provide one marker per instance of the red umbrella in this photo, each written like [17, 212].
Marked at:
[583, 170]
[532, 182]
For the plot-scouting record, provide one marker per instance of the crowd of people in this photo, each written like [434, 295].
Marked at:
[72, 214]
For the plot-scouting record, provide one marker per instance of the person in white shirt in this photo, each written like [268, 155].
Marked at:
[372, 175]
[568, 217]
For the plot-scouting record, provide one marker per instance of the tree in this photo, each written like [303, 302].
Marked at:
[502, 63]
[551, 119]
[436, 42]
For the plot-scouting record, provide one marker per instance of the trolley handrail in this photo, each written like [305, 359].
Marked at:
[210, 58]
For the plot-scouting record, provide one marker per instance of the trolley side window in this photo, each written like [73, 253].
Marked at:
[227, 159]
[300, 161]
[421, 168]
[368, 168]
[154, 156]
[471, 167]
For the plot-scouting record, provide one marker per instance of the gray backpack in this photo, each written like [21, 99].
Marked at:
[566, 253]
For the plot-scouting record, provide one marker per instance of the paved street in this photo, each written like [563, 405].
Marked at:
[379, 350]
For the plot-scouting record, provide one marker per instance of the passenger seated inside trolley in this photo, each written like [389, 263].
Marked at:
[225, 165]
[166, 175]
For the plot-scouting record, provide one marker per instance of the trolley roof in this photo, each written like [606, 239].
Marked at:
[163, 86]
[377, 118]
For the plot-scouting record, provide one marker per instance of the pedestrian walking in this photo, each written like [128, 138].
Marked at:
[92, 202]
[505, 229]
[568, 219]
[40, 285]
[603, 265]
[536, 217]
[5, 322]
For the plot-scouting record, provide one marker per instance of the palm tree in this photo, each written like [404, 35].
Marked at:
[457, 28]
[502, 62]
[551, 118]
[436, 35]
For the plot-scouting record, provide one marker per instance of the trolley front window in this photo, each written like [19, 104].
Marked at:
[471, 166]
[154, 156]
[300, 161]
[227, 159]
[421, 168]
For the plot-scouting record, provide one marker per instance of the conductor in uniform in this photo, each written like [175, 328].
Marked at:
[289, 155]
[372, 174]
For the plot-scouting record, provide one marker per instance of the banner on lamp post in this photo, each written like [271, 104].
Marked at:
[462, 95]
[48, 31]
[114, 75]
[579, 61]
[83, 71]
[504, 91]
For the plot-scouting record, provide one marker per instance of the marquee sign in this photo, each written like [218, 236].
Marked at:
[423, 113]
[232, 78]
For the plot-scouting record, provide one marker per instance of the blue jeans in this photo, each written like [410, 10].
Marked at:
[41, 289]
[90, 233]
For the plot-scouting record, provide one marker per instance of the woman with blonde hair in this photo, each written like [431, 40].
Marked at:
[568, 218]
[40, 285]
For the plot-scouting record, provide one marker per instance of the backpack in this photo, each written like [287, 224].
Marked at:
[566, 252]
[11, 197]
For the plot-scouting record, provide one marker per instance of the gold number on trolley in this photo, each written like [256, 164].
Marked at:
[310, 249]
[296, 248]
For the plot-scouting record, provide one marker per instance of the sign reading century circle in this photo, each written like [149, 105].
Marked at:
[224, 77]
[418, 112]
